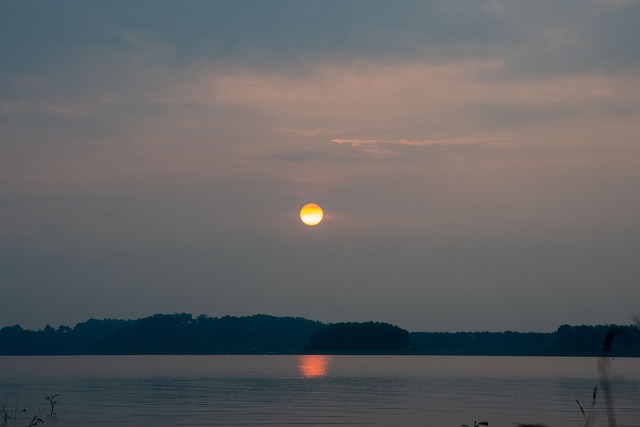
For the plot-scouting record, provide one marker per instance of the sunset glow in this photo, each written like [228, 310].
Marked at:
[481, 154]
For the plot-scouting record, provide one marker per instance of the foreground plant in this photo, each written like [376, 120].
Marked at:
[588, 419]
[35, 421]
[8, 414]
[53, 403]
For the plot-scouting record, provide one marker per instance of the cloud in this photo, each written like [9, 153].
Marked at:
[175, 145]
[389, 146]
[21, 106]
[145, 43]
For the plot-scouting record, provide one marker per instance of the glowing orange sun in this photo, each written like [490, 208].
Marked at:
[311, 214]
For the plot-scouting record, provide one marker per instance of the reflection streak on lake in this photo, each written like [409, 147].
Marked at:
[313, 365]
[147, 391]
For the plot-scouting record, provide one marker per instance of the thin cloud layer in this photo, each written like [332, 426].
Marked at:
[480, 155]
[385, 146]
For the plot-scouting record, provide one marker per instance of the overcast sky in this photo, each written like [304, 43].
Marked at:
[478, 162]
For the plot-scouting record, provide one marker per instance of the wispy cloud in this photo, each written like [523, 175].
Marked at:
[18, 106]
[383, 147]
[144, 43]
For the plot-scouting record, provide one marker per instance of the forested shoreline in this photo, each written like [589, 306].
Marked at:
[263, 334]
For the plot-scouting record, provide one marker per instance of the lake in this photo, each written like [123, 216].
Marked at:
[273, 390]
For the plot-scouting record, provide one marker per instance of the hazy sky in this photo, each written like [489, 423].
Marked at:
[478, 161]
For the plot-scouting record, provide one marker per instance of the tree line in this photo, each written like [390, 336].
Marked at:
[165, 334]
[181, 333]
[581, 340]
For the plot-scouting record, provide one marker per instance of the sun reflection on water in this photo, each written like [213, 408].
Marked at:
[313, 365]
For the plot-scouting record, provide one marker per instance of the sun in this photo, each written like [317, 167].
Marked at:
[311, 214]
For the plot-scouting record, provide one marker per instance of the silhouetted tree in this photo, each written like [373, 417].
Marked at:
[181, 333]
[368, 336]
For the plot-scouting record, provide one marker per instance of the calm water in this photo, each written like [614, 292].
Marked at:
[156, 391]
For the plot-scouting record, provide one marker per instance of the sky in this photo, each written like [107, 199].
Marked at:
[477, 161]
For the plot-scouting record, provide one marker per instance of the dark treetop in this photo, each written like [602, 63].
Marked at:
[260, 334]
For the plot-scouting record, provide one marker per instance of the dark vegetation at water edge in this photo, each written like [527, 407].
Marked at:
[565, 341]
[165, 334]
[367, 336]
[260, 334]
